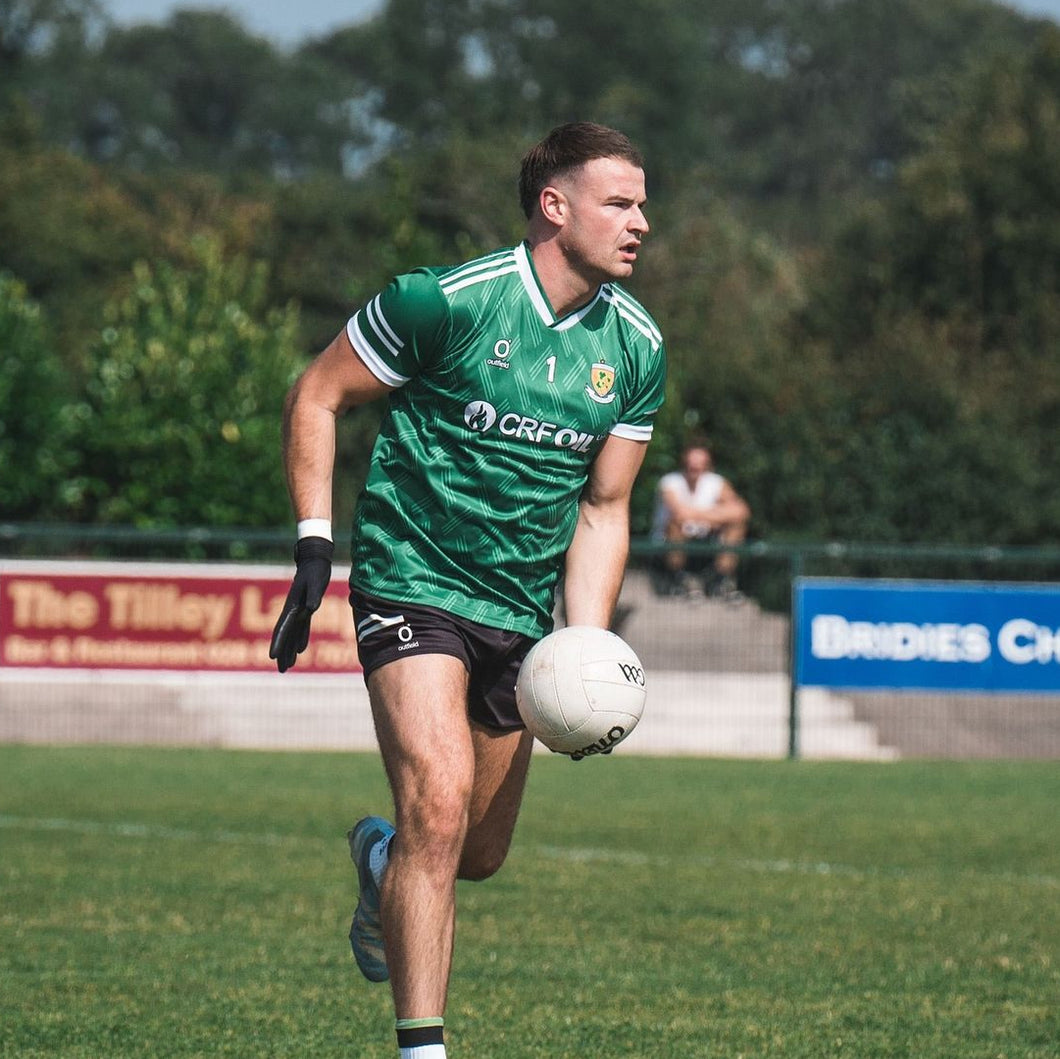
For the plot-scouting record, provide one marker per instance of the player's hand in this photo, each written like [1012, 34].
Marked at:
[312, 556]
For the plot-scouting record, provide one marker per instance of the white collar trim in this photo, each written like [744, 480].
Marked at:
[541, 303]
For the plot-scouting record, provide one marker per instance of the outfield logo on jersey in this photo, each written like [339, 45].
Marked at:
[480, 416]
[502, 350]
[601, 382]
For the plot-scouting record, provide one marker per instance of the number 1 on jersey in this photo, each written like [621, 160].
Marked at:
[551, 362]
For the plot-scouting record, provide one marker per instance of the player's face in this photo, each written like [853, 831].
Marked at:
[605, 221]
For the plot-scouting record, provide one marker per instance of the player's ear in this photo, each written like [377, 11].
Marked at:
[553, 205]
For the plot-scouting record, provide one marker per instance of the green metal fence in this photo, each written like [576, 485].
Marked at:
[836, 558]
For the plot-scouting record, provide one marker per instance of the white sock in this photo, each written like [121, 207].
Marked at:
[424, 1051]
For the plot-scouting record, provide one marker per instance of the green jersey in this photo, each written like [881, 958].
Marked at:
[472, 495]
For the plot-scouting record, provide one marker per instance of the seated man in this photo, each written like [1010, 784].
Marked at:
[697, 503]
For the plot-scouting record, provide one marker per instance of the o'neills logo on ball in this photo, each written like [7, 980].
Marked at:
[601, 746]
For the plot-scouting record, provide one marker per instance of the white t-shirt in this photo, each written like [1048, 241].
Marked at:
[705, 495]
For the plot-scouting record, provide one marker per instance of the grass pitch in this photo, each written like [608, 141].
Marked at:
[195, 902]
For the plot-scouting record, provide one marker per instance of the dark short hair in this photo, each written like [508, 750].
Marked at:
[566, 148]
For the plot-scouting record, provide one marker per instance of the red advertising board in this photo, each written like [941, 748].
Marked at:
[144, 616]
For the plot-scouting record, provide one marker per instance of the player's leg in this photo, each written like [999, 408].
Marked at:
[677, 559]
[725, 563]
[671, 566]
[502, 759]
[419, 705]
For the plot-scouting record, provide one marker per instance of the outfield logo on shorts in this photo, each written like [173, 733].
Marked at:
[481, 416]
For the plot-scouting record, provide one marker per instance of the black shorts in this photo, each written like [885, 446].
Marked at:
[387, 631]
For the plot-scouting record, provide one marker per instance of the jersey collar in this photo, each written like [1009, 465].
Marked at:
[536, 293]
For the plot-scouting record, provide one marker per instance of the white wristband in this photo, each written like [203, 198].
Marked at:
[314, 527]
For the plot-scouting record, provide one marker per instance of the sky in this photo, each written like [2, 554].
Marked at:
[287, 22]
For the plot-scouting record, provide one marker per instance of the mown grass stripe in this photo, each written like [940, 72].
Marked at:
[572, 854]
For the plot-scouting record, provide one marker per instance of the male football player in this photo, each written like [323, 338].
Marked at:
[522, 390]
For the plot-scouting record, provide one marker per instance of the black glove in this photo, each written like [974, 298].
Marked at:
[312, 556]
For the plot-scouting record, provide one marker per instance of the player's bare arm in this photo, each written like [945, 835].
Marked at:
[731, 507]
[596, 559]
[334, 382]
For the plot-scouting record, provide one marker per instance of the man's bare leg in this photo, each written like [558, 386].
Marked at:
[731, 533]
[445, 774]
[418, 704]
[502, 760]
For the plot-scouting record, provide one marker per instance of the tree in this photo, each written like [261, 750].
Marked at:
[34, 442]
[197, 92]
[28, 26]
[940, 312]
[180, 422]
[66, 229]
[727, 295]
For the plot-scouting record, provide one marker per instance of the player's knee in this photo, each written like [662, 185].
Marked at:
[435, 824]
[479, 864]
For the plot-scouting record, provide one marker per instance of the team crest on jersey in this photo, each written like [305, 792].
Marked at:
[601, 382]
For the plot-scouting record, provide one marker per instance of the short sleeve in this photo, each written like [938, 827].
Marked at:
[638, 417]
[402, 328]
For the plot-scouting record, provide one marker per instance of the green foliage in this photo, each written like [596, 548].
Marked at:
[940, 309]
[334, 249]
[197, 92]
[34, 450]
[788, 105]
[180, 422]
[726, 294]
[27, 25]
[71, 230]
[66, 229]
[856, 225]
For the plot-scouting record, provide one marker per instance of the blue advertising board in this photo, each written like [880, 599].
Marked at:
[927, 635]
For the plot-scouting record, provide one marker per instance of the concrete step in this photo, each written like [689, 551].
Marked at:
[720, 714]
[671, 634]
